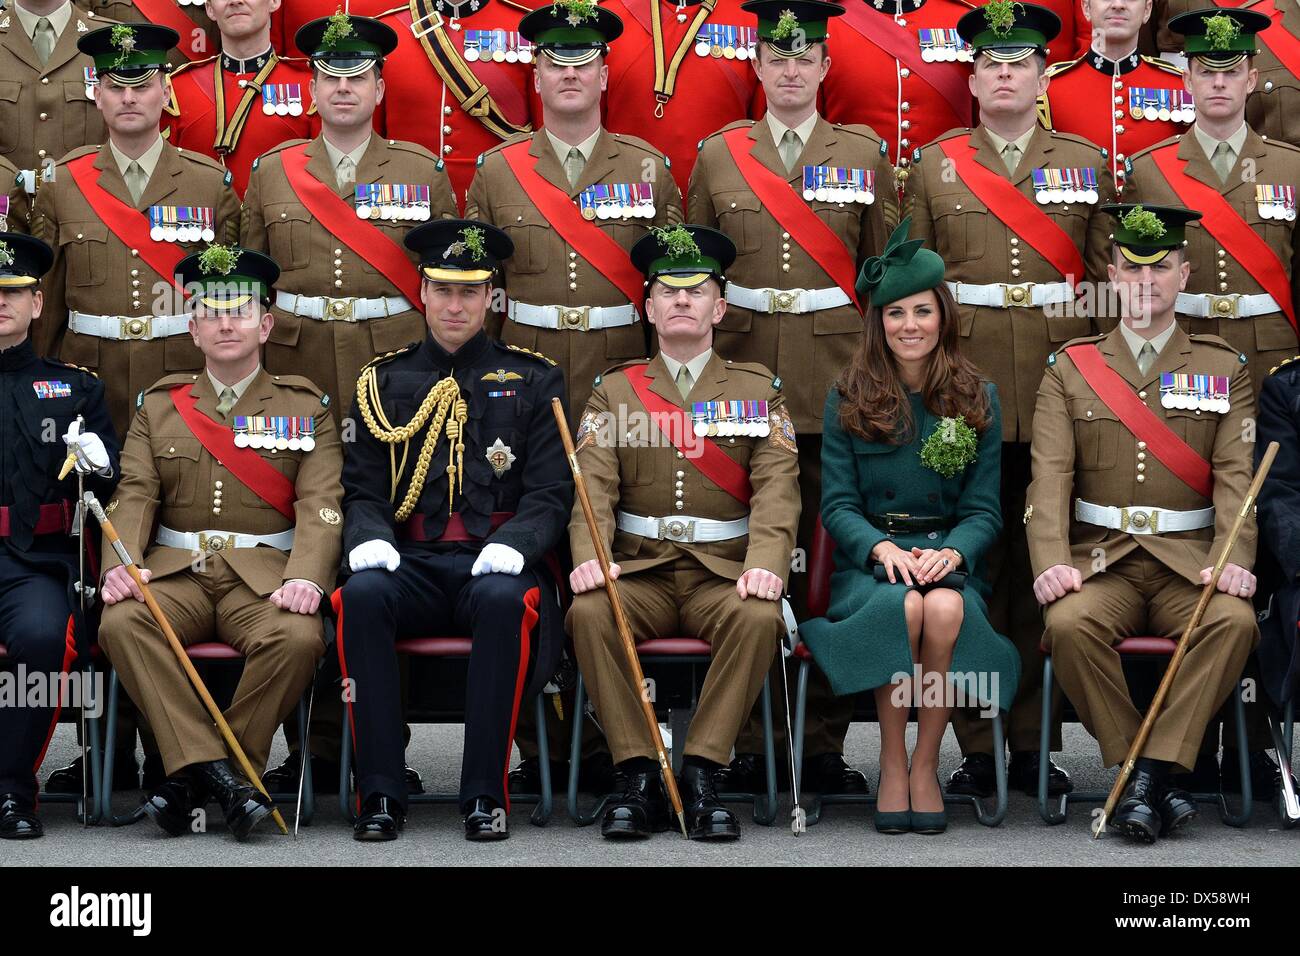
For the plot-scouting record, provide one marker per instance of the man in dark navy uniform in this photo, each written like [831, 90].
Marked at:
[455, 490]
[41, 624]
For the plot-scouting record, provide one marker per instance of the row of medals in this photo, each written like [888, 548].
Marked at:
[755, 428]
[267, 441]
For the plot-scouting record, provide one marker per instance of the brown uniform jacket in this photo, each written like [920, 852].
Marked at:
[1081, 450]
[1265, 339]
[645, 475]
[546, 270]
[44, 109]
[15, 216]
[170, 479]
[1010, 345]
[314, 261]
[807, 351]
[96, 272]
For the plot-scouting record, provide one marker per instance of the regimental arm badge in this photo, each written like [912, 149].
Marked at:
[782, 430]
[587, 429]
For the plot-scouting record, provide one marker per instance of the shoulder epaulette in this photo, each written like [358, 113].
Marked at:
[167, 381]
[1163, 65]
[753, 368]
[644, 145]
[1283, 363]
[405, 146]
[1081, 340]
[300, 382]
[627, 363]
[281, 146]
[520, 348]
[389, 356]
[79, 368]
[1209, 339]
[746, 123]
[189, 65]
[1056, 69]
[1073, 138]
[77, 153]
[1282, 143]
[201, 159]
[517, 137]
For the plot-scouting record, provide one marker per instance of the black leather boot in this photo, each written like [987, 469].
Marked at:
[244, 806]
[381, 818]
[706, 817]
[18, 820]
[171, 804]
[1136, 815]
[486, 820]
[642, 808]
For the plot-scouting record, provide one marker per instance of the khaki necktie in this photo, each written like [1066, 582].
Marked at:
[683, 381]
[573, 164]
[790, 149]
[44, 39]
[346, 171]
[1146, 357]
[1222, 161]
[136, 180]
[1011, 156]
[226, 402]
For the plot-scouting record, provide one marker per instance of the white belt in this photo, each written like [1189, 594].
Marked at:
[683, 527]
[1139, 519]
[1233, 306]
[581, 318]
[213, 541]
[794, 301]
[350, 309]
[135, 328]
[1005, 295]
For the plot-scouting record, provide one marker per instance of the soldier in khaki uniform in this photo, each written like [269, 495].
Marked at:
[240, 471]
[1160, 522]
[561, 194]
[791, 307]
[46, 104]
[14, 206]
[346, 294]
[113, 215]
[699, 528]
[1229, 293]
[1013, 248]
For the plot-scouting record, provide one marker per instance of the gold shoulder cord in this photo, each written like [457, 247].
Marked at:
[451, 409]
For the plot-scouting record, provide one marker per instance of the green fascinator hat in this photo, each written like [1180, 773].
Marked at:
[904, 268]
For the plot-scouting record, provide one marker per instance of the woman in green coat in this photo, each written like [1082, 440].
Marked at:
[911, 455]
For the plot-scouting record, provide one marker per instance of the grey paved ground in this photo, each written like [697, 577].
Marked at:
[844, 837]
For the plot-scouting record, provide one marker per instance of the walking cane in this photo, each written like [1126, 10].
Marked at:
[624, 629]
[302, 769]
[1144, 731]
[213, 710]
[79, 532]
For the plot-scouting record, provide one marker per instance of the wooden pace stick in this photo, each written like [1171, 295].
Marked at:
[213, 710]
[624, 629]
[1157, 702]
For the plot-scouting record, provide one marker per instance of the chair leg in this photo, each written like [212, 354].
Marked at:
[1241, 818]
[345, 770]
[765, 805]
[1000, 775]
[110, 749]
[304, 771]
[1288, 726]
[814, 813]
[90, 700]
[576, 813]
[1050, 815]
[542, 812]
[1284, 759]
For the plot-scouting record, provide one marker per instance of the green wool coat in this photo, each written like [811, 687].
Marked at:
[862, 642]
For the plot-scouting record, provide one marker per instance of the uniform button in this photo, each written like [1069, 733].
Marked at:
[573, 255]
[1268, 86]
[80, 236]
[904, 142]
[958, 205]
[1142, 445]
[40, 153]
[1221, 253]
[1118, 100]
[338, 283]
[1142, 395]
[680, 455]
[679, 493]
[785, 267]
[45, 80]
[784, 235]
[1142, 456]
[573, 276]
[44, 117]
[1015, 240]
[134, 272]
[904, 106]
[1119, 84]
[446, 149]
[1141, 467]
[573, 285]
[338, 262]
[1119, 129]
[1223, 275]
[1118, 113]
[1015, 262]
[447, 129]
[284, 215]
[733, 205]
[338, 272]
[338, 252]
[171, 450]
[216, 511]
[731, 441]
[785, 247]
[679, 483]
[904, 72]
[678, 505]
[681, 474]
[1142, 478]
[135, 252]
[785, 255]
[1119, 156]
[217, 483]
[1088, 413]
[1223, 287]
[1015, 272]
[906, 124]
[933, 535]
[135, 282]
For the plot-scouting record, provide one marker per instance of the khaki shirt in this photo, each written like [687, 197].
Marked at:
[648, 477]
[1082, 450]
[1010, 345]
[808, 351]
[44, 109]
[168, 476]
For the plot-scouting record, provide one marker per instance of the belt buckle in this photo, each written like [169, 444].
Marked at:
[1224, 306]
[676, 529]
[1016, 295]
[1141, 521]
[575, 320]
[216, 542]
[423, 30]
[890, 517]
[340, 310]
[782, 300]
[135, 328]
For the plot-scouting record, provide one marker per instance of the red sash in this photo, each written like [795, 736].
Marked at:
[1227, 227]
[948, 79]
[1174, 453]
[712, 461]
[1009, 204]
[166, 13]
[1281, 42]
[245, 464]
[795, 216]
[336, 215]
[126, 222]
[592, 243]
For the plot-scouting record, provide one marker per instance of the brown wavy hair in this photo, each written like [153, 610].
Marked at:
[873, 398]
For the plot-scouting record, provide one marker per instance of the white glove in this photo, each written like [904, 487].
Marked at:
[497, 559]
[91, 455]
[374, 554]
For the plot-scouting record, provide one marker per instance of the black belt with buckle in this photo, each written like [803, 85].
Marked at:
[893, 524]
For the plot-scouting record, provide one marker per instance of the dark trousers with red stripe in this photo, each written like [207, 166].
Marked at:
[432, 595]
[35, 627]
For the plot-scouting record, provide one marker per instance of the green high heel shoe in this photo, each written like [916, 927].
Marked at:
[891, 821]
[930, 824]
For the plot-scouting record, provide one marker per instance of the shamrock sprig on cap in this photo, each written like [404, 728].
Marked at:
[123, 40]
[339, 28]
[471, 240]
[578, 11]
[677, 242]
[786, 24]
[1001, 15]
[6, 255]
[1143, 223]
[1221, 30]
[217, 259]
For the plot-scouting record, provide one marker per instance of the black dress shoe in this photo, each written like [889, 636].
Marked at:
[381, 819]
[975, 777]
[486, 820]
[126, 775]
[641, 809]
[413, 782]
[1265, 777]
[18, 820]
[1136, 815]
[828, 773]
[526, 779]
[284, 778]
[244, 806]
[706, 817]
[1023, 775]
[172, 803]
[743, 775]
[1177, 809]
